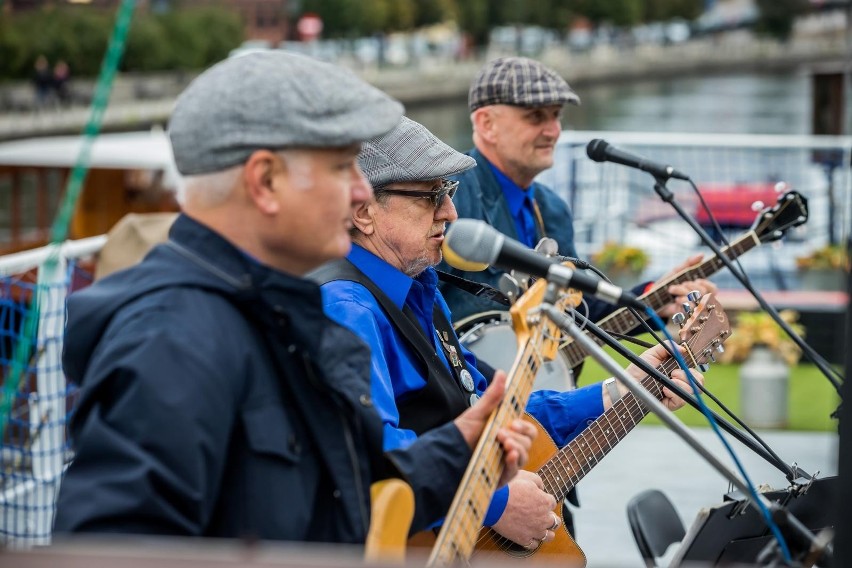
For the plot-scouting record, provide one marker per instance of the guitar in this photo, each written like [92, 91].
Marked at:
[791, 210]
[561, 469]
[538, 340]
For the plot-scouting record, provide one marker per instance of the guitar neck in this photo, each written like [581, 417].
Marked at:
[623, 321]
[458, 536]
[571, 463]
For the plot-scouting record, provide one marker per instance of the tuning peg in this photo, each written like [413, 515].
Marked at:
[720, 348]
[757, 206]
[694, 296]
[781, 187]
[703, 367]
[687, 308]
[679, 319]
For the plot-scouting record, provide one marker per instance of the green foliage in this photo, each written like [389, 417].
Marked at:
[614, 256]
[829, 257]
[78, 36]
[777, 16]
[182, 39]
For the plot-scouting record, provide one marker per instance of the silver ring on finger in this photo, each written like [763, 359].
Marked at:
[544, 538]
[555, 521]
[532, 544]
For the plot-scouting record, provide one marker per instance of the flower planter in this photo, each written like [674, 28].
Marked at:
[823, 279]
[764, 387]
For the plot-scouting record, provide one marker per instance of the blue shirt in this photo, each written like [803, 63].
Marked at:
[520, 202]
[396, 370]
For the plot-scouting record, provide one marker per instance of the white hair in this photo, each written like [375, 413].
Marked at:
[207, 190]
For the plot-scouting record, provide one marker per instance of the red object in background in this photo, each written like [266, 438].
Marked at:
[309, 27]
[731, 204]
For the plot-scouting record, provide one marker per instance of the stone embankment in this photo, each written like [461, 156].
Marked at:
[140, 101]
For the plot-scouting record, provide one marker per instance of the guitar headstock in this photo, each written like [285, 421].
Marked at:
[791, 210]
[704, 326]
[526, 315]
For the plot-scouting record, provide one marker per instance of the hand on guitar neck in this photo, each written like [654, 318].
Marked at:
[516, 439]
[680, 290]
[655, 356]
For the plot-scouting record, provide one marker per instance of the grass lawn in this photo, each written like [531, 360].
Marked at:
[811, 398]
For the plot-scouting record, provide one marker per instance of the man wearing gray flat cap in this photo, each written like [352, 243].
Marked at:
[386, 292]
[217, 399]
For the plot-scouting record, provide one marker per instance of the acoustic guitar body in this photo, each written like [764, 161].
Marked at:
[561, 549]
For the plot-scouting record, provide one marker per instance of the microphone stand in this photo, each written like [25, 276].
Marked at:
[667, 196]
[790, 526]
[791, 472]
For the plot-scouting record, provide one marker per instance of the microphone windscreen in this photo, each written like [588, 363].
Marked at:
[474, 241]
[596, 150]
[456, 261]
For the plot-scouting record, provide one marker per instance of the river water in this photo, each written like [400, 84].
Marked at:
[736, 104]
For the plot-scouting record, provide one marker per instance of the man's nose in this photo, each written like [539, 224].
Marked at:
[447, 211]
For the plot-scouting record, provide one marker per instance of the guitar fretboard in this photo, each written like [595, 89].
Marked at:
[570, 464]
[458, 536]
[623, 321]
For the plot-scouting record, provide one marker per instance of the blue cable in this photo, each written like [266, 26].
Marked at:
[773, 527]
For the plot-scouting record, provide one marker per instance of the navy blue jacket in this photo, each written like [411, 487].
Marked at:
[218, 400]
[480, 197]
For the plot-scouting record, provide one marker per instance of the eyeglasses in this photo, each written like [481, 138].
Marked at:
[436, 196]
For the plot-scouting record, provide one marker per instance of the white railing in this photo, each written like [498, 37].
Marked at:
[611, 202]
[34, 450]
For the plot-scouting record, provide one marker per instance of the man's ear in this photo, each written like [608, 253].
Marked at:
[362, 216]
[262, 187]
[483, 123]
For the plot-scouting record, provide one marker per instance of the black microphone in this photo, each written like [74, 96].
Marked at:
[600, 151]
[477, 242]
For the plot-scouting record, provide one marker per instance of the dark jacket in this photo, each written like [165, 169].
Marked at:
[218, 400]
[480, 197]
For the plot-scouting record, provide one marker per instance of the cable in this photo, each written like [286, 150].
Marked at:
[767, 517]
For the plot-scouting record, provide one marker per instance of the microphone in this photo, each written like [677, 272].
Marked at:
[601, 151]
[476, 242]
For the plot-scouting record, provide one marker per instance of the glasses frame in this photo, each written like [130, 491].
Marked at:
[436, 196]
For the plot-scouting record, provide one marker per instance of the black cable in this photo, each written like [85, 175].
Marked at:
[762, 450]
[709, 394]
[832, 375]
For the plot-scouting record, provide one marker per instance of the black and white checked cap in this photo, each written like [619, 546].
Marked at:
[519, 81]
[410, 152]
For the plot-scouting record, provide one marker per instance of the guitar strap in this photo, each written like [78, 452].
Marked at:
[445, 396]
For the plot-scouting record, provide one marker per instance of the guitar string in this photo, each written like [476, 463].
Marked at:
[636, 410]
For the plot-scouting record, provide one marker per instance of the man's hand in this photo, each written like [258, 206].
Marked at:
[516, 439]
[528, 519]
[655, 357]
[679, 291]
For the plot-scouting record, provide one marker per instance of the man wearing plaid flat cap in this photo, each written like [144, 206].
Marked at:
[516, 106]
[386, 292]
[217, 399]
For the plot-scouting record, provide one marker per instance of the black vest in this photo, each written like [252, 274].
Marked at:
[443, 398]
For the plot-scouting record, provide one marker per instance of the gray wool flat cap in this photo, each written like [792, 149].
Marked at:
[410, 152]
[273, 100]
[519, 81]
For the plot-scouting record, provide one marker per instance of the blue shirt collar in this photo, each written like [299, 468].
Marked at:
[393, 282]
[515, 194]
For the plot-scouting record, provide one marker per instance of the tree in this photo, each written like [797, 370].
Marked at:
[777, 16]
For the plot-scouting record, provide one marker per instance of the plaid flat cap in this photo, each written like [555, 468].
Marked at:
[519, 81]
[410, 152]
[273, 100]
